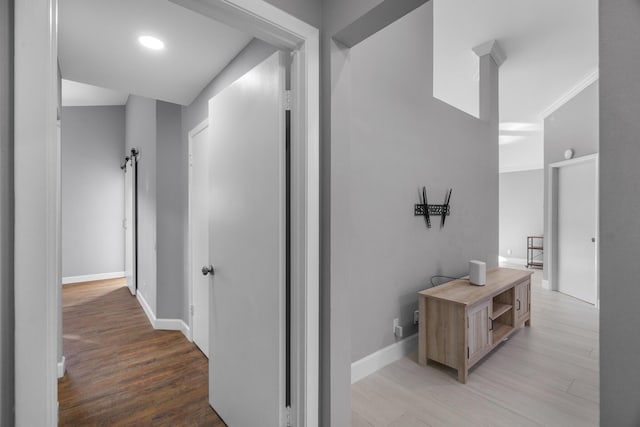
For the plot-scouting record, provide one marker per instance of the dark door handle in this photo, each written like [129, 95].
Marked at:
[207, 270]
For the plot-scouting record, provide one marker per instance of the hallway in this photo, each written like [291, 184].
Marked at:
[122, 372]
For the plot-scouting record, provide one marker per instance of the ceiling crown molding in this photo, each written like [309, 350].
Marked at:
[491, 48]
[570, 94]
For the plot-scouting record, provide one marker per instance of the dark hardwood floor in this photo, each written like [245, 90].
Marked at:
[122, 372]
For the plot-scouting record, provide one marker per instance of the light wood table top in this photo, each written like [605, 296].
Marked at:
[462, 292]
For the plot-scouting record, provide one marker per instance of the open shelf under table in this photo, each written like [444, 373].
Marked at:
[500, 330]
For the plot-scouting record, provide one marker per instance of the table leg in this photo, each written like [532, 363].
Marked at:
[462, 374]
[422, 331]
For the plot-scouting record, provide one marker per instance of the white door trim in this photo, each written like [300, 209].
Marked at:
[552, 217]
[129, 224]
[265, 21]
[35, 229]
[37, 243]
[192, 134]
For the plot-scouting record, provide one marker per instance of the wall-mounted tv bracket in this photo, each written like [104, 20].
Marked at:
[426, 210]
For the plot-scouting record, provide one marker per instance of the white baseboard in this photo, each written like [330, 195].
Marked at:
[173, 325]
[163, 324]
[381, 358]
[518, 261]
[91, 277]
[62, 367]
[546, 284]
[147, 308]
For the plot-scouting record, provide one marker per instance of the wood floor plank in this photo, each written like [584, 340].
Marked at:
[547, 375]
[409, 419]
[122, 372]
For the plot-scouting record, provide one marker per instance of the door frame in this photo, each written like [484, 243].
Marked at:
[552, 218]
[200, 127]
[37, 168]
[36, 173]
[131, 222]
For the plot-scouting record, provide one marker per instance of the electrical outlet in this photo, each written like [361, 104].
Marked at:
[399, 332]
[416, 317]
[509, 252]
[397, 329]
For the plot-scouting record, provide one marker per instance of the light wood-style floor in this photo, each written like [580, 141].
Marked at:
[544, 375]
[122, 372]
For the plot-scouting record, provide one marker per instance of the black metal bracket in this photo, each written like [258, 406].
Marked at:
[426, 210]
[418, 210]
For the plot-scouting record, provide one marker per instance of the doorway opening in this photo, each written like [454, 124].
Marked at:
[573, 228]
[260, 20]
[130, 221]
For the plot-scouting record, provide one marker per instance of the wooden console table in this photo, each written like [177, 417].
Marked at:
[461, 323]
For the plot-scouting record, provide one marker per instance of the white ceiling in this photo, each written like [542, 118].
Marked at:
[76, 94]
[98, 45]
[551, 46]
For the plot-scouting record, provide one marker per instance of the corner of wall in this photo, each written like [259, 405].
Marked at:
[7, 310]
[171, 202]
[140, 133]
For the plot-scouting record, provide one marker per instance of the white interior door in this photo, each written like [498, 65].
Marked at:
[247, 189]
[199, 160]
[129, 227]
[577, 230]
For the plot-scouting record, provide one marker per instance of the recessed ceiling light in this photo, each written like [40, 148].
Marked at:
[151, 42]
[520, 127]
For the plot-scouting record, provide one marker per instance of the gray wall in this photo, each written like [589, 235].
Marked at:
[154, 127]
[521, 210]
[141, 134]
[401, 139]
[574, 125]
[619, 212]
[93, 141]
[171, 205]
[6, 214]
[335, 314]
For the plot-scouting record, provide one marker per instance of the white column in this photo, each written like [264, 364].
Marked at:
[37, 245]
[491, 58]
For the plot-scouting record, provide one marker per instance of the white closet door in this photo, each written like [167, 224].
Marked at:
[247, 247]
[577, 231]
